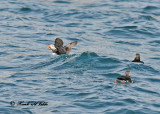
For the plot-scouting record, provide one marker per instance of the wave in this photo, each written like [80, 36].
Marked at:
[16, 111]
[150, 8]
[127, 27]
[128, 43]
[26, 9]
[89, 61]
[52, 61]
[155, 43]
[143, 68]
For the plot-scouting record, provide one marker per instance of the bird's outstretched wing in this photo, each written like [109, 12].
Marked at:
[69, 46]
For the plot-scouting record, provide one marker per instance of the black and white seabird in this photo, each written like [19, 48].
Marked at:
[125, 78]
[59, 49]
[137, 58]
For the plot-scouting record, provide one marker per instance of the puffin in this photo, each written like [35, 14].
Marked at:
[59, 49]
[137, 58]
[125, 78]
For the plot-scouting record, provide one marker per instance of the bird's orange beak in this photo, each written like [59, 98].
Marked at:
[49, 47]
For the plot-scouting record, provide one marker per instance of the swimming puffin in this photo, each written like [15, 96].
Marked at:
[59, 49]
[137, 58]
[125, 78]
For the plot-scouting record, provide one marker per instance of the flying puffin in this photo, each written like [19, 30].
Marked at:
[59, 49]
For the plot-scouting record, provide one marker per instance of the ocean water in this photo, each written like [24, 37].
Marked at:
[109, 34]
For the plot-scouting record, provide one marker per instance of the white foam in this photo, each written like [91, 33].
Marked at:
[54, 54]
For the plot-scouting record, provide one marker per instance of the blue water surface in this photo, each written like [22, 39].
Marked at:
[109, 34]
